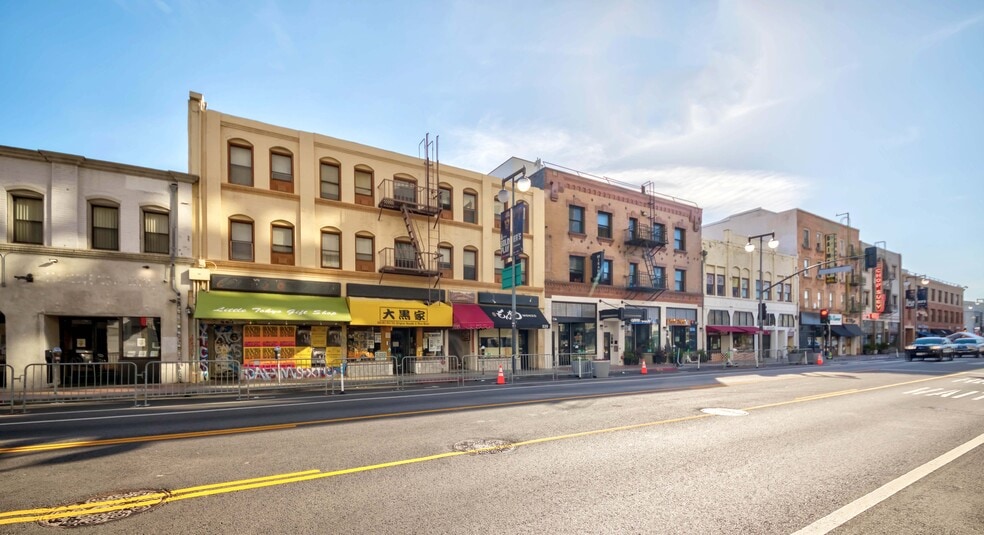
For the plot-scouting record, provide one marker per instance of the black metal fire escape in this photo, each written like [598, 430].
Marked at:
[650, 239]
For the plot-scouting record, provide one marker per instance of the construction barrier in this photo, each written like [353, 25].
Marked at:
[63, 382]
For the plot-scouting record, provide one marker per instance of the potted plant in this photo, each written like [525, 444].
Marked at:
[630, 358]
[580, 365]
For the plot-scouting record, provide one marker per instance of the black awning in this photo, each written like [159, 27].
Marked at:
[624, 314]
[848, 330]
[527, 317]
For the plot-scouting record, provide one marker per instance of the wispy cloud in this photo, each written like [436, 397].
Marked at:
[950, 30]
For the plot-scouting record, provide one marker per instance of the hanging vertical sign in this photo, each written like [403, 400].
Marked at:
[597, 261]
[830, 254]
[504, 234]
[879, 290]
[518, 224]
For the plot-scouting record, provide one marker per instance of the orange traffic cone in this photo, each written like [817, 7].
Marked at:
[820, 359]
[501, 379]
[644, 371]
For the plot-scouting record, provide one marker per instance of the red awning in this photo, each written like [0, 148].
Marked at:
[723, 329]
[748, 330]
[467, 316]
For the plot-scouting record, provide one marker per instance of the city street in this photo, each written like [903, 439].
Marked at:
[864, 447]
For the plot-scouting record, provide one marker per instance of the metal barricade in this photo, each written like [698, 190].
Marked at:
[75, 381]
[431, 369]
[187, 379]
[536, 365]
[7, 386]
[272, 375]
[372, 373]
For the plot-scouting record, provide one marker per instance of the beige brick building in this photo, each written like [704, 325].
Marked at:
[932, 307]
[329, 249]
[813, 240]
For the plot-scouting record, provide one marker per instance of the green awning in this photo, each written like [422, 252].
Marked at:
[222, 305]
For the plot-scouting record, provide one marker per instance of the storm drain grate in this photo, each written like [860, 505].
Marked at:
[118, 502]
[483, 446]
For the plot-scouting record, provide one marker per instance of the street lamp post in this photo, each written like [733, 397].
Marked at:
[521, 181]
[749, 247]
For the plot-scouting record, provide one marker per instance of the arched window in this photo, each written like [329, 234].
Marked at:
[28, 211]
[281, 170]
[331, 180]
[364, 185]
[241, 239]
[469, 203]
[240, 162]
[331, 248]
[365, 252]
[104, 225]
[282, 243]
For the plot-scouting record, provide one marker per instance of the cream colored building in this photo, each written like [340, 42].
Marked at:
[312, 244]
[94, 261]
[731, 318]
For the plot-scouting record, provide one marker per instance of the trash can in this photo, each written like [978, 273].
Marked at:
[601, 367]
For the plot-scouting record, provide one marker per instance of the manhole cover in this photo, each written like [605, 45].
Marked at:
[483, 446]
[118, 503]
[724, 412]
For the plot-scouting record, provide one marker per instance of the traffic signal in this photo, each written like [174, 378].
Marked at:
[824, 316]
[870, 257]
[763, 311]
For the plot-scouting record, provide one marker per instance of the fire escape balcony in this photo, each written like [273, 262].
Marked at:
[644, 283]
[406, 195]
[406, 261]
[646, 236]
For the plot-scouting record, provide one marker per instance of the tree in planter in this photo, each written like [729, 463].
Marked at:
[630, 358]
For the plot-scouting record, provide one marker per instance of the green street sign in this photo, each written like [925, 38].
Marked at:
[512, 275]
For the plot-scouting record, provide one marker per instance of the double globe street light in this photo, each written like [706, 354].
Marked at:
[750, 247]
[521, 182]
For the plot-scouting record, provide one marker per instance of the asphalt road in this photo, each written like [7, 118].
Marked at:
[872, 447]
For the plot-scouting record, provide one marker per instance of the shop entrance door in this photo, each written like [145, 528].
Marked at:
[403, 350]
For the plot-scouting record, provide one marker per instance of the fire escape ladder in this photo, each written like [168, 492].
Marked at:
[414, 236]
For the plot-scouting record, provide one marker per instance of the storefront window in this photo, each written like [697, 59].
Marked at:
[140, 336]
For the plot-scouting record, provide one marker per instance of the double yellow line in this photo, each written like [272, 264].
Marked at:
[158, 498]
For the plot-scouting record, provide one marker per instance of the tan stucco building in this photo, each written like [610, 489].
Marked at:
[325, 248]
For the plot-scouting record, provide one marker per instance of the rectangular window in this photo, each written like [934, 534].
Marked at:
[281, 172]
[470, 265]
[106, 228]
[633, 230]
[576, 268]
[744, 287]
[28, 220]
[679, 239]
[330, 182]
[768, 291]
[680, 280]
[365, 252]
[156, 235]
[606, 272]
[633, 274]
[735, 287]
[405, 191]
[241, 241]
[659, 233]
[240, 165]
[659, 277]
[470, 213]
[720, 285]
[406, 255]
[806, 238]
[331, 250]
[604, 225]
[576, 220]
[710, 284]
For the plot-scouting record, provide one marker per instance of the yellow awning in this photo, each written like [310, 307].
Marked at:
[399, 313]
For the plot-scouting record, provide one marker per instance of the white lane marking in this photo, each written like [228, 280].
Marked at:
[873, 498]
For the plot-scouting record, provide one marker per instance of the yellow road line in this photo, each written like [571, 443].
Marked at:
[49, 513]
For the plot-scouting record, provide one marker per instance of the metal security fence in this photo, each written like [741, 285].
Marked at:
[72, 381]
[7, 386]
[431, 369]
[187, 379]
[272, 375]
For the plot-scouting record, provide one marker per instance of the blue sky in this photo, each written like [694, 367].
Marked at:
[870, 108]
